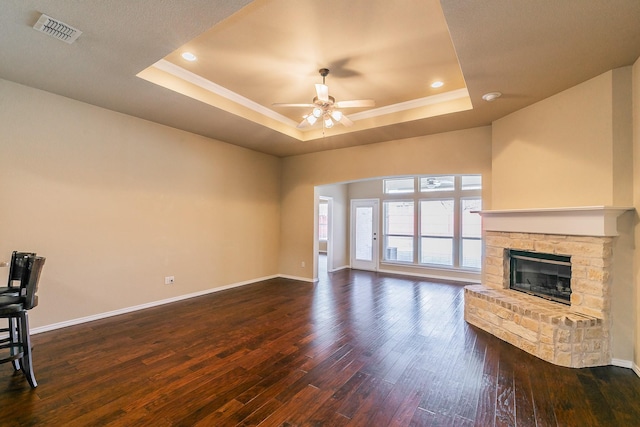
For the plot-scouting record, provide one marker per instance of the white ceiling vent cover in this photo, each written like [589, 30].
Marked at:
[57, 29]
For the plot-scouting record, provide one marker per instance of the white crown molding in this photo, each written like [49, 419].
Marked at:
[210, 86]
[188, 76]
[411, 104]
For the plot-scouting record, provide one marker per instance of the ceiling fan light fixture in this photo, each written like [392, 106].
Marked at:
[328, 123]
[311, 119]
[325, 108]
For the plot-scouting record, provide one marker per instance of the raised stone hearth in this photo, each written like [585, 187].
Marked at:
[575, 335]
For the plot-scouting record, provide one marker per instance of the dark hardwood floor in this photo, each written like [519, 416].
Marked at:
[356, 349]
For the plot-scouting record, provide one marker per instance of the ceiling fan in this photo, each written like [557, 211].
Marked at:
[325, 108]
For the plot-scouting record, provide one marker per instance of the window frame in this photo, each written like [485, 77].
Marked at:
[457, 194]
[386, 234]
[463, 238]
[452, 237]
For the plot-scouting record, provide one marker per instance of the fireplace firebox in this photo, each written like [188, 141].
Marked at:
[544, 275]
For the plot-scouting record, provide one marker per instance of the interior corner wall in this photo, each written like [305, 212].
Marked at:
[558, 152]
[636, 204]
[460, 152]
[575, 149]
[116, 203]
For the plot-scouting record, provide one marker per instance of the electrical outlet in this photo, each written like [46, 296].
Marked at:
[169, 280]
[302, 264]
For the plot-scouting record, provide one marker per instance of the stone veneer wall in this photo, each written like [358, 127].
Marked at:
[575, 335]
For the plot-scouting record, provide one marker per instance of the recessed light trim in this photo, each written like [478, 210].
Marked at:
[188, 56]
[437, 84]
[491, 96]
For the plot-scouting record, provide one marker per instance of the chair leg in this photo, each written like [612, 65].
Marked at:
[25, 362]
[13, 339]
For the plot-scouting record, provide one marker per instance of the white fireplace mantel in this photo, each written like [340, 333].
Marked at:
[577, 221]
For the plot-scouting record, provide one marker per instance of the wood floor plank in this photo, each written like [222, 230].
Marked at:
[505, 395]
[356, 349]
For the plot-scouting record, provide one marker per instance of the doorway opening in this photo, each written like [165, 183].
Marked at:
[325, 235]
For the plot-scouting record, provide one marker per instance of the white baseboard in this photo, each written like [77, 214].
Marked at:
[626, 364]
[622, 363]
[125, 310]
[344, 267]
[433, 276]
[301, 279]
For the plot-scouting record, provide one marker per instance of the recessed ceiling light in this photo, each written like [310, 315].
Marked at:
[491, 96]
[189, 56]
[436, 85]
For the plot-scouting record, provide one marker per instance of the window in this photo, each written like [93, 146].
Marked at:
[323, 216]
[399, 185]
[438, 226]
[471, 182]
[398, 230]
[436, 183]
[436, 231]
[471, 233]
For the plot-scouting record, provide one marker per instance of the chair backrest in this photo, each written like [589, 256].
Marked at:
[29, 282]
[17, 266]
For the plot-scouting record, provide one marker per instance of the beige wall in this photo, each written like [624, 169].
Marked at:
[467, 151]
[575, 149]
[636, 203]
[561, 152]
[116, 203]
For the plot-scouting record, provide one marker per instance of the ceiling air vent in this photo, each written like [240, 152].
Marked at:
[57, 29]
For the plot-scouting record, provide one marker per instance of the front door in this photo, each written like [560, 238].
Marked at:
[364, 234]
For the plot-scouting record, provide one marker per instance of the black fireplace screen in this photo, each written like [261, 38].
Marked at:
[544, 275]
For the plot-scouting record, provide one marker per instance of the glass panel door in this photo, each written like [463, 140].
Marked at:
[364, 234]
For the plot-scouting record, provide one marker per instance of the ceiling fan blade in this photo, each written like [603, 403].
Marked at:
[346, 121]
[356, 103]
[323, 92]
[280, 104]
[303, 124]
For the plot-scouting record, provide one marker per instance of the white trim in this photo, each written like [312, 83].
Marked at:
[411, 104]
[210, 86]
[339, 268]
[434, 276]
[300, 279]
[125, 310]
[629, 364]
[622, 363]
[575, 221]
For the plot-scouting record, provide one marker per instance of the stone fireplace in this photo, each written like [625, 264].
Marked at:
[575, 334]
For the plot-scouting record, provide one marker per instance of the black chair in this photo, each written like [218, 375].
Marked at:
[17, 346]
[16, 267]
